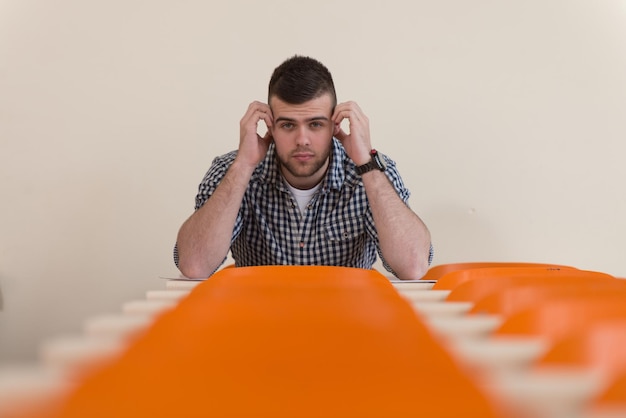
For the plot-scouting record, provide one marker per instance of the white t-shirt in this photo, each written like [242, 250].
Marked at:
[303, 197]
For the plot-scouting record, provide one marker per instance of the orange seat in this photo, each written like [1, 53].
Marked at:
[456, 278]
[480, 287]
[516, 298]
[305, 276]
[436, 272]
[283, 342]
[600, 347]
[559, 318]
[614, 396]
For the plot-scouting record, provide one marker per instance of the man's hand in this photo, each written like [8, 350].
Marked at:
[252, 146]
[357, 142]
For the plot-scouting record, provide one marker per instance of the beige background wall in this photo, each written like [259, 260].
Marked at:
[506, 118]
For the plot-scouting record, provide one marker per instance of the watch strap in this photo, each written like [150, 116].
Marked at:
[374, 163]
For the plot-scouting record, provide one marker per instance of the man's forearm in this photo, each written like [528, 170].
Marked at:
[404, 238]
[204, 239]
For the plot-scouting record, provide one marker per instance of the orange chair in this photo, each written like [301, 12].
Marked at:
[456, 278]
[575, 371]
[599, 347]
[557, 319]
[516, 298]
[283, 342]
[436, 272]
[612, 399]
[480, 287]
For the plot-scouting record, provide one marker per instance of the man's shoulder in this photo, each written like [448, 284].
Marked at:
[222, 163]
[225, 159]
[219, 167]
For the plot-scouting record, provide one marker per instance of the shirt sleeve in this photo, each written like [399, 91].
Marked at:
[213, 178]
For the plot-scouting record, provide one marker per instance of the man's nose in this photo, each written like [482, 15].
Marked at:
[303, 137]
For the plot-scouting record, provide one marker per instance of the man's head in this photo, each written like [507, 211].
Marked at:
[302, 100]
[300, 79]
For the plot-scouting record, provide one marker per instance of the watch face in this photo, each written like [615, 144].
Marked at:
[380, 161]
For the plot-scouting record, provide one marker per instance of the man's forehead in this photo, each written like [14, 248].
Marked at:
[320, 106]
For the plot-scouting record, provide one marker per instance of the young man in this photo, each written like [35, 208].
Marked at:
[307, 192]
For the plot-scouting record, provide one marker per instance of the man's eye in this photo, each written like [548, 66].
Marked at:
[287, 125]
[316, 124]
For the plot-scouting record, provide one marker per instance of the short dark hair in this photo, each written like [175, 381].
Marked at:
[300, 79]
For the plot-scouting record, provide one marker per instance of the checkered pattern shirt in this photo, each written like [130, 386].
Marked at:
[337, 228]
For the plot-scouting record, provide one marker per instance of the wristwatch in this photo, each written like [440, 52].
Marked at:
[377, 162]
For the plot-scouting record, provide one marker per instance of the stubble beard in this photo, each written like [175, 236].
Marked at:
[306, 169]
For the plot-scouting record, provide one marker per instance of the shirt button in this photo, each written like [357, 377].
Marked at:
[301, 244]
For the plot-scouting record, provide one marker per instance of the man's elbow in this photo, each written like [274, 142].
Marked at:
[414, 269]
[420, 269]
[192, 270]
[422, 261]
[194, 273]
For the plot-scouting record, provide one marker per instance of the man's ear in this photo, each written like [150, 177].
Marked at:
[337, 129]
[269, 134]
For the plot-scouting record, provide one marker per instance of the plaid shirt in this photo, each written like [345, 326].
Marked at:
[337, 227]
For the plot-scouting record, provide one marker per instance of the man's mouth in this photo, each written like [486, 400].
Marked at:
[303, 156]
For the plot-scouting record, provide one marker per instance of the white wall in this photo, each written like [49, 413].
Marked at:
[507, 120]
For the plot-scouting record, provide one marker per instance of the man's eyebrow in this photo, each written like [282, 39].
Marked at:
[314, 118]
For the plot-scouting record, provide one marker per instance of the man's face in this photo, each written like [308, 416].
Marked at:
[303, 137]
